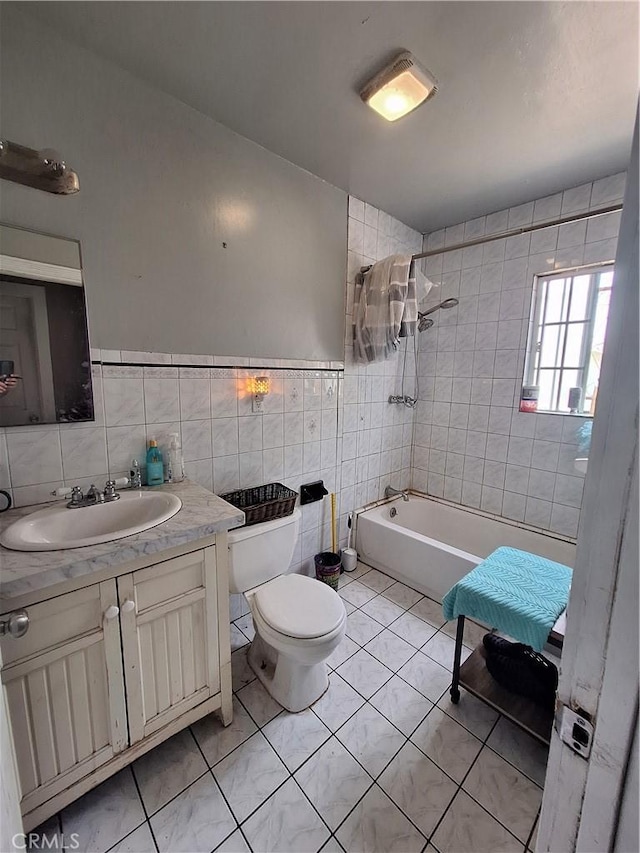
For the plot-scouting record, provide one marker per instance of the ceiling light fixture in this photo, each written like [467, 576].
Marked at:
[399, 87]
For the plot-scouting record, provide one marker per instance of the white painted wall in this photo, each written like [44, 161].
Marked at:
[162, 187]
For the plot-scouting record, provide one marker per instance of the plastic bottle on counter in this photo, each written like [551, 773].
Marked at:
[155, 468]
[175, 472]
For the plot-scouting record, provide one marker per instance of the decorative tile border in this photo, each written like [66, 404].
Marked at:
[133, 357]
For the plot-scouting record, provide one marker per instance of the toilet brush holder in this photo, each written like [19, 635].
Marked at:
[328, 568]
[349, 559]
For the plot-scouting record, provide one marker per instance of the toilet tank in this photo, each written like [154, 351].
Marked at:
[261, 552]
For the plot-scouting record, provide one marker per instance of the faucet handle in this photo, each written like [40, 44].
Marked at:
[76, 497]
[62, 492]
[110, 493]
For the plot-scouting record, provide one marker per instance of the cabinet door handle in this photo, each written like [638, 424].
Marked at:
[16, 624]
[128, 606]
[111, 612]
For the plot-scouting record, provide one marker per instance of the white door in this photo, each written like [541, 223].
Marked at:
[169, 639]
[64, 687]
[599, 669]
[24, 339]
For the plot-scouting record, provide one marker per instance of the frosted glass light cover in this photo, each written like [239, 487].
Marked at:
[400, 96]
[399, 87]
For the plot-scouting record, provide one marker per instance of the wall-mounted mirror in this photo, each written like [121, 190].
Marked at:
[565, 340]
[45, 367]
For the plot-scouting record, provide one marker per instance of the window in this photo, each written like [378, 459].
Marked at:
[566, 338]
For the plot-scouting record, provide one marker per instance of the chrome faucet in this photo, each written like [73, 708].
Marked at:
[93, 496]
[390, 492]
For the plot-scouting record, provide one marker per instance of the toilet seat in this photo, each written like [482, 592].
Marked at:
[299, 607]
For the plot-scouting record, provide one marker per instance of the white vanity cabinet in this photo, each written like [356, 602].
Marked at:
[108, 671]
[65, 691]
[168, 619]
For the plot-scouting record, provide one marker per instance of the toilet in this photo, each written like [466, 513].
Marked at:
[299, 621]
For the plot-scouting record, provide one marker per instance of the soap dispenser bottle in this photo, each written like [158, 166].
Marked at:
[135, 475]
[176, 461]
[155, 469]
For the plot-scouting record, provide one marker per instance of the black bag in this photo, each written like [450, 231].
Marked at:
[518, 668]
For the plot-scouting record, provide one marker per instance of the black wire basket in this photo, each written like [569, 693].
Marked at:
[263, 503]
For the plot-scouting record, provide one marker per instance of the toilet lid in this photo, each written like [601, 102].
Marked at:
[298, 606]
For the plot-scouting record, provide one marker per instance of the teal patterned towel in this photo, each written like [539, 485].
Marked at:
[516, 592]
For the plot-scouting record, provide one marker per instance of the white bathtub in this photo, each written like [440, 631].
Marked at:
[430, 545]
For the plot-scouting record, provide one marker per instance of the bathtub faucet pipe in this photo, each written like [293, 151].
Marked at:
[390, 492]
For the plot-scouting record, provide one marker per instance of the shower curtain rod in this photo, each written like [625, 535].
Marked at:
[515, 232]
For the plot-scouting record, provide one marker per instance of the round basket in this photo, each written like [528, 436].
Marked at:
[328, 568]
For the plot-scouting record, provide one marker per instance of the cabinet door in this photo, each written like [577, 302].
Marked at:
[64, 688]
[169, 639]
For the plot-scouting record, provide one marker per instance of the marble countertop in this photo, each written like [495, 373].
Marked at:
[202, 514]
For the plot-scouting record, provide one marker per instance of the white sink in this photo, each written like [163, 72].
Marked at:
[58, 527]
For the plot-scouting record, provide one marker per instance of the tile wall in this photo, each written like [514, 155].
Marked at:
[375, 435]
[332, 420]
[472, 445]
[226, 446]
[321, 420]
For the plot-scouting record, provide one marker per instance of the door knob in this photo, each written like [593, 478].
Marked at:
[16, 624]
[128, 606]
[111, 612]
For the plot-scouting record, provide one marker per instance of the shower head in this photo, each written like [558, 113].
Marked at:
[424, 322]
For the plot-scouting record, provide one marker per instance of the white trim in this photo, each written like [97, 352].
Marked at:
[24, 268]
[628, 823]
[10, 817]
[600, 626]
[535, 329]
[613, 737]
[250, 365]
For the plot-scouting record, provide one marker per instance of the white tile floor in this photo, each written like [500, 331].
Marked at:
[382, 762]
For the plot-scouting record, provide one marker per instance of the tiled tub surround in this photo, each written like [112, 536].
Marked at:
[431, 544]
[383, 761]
[376, 435]
[471, 444]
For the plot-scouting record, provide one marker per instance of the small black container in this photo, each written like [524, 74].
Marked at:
[328, 568]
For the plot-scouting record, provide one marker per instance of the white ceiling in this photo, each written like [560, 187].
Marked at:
[534, 96]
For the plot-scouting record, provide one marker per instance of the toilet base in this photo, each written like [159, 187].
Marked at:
[293, 685]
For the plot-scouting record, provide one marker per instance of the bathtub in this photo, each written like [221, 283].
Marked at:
[430, 544]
